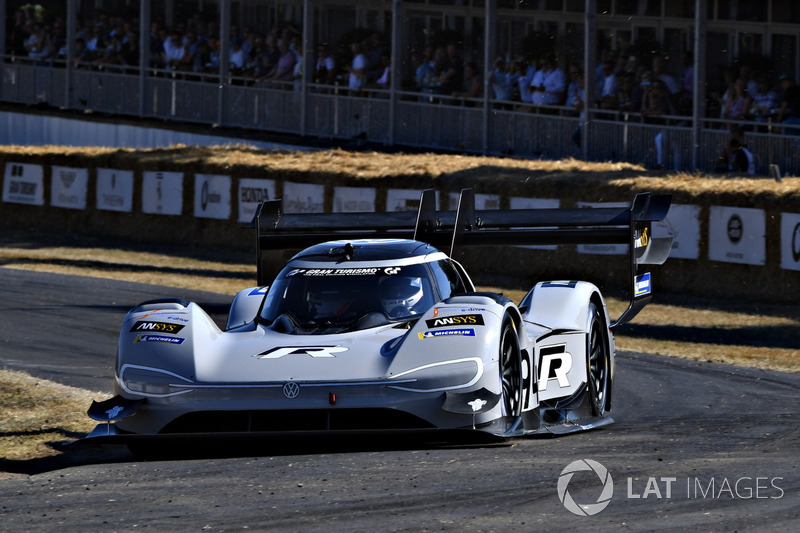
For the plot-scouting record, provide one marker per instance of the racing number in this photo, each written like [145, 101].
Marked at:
[556, 364]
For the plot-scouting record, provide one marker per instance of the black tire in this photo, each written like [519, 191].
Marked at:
[597, 361]
[510, 368]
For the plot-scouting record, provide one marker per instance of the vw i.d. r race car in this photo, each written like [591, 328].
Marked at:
[372, 328]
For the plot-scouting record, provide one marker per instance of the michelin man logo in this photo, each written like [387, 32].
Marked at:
[582, 466]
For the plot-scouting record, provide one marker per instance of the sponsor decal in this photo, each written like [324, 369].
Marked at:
[796, 243]
[467, 332]
[556, 364]
[160, 327]
[114, 411]
[641, 239]
[311, 351]
[642, 284]
[564, 284]
[735, 228]
[258, 291]
[159, 338]
[457, 320]
[291, 389]
[334, 272]
[477, 404]
[438, 310]
[172, 317]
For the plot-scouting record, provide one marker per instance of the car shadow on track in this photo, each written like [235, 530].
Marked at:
[84, 452]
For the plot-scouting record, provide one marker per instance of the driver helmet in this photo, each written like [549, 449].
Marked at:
[400, 294]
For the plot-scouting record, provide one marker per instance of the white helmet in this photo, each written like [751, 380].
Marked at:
[400, 294]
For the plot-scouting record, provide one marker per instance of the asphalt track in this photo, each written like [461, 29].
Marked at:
[695, 446]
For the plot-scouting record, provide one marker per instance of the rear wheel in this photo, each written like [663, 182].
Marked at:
[598, 361]
[510, 368]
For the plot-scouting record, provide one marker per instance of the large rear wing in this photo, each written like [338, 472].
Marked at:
[454, 230]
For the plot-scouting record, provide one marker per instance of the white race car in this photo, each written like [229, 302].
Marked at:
[372, 328]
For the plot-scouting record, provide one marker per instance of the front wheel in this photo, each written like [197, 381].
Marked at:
[597, 361]
[510, 369]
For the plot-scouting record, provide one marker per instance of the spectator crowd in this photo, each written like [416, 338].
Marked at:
[746, 98]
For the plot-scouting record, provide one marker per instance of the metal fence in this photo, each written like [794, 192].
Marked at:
[479, 126]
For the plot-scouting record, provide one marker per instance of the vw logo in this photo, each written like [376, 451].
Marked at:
[605, 496]
[291, 390]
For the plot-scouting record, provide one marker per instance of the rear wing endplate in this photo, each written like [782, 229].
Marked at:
[454, 230]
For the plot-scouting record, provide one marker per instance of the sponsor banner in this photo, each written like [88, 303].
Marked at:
[353, 200]
[737, 235]
[69, 186]
[404, 199]
[456, 320]
[162, 193]
[212, 196]
[23, 184]
[483, 202]
[682, 223]
[251, 193]
[517, 202]
[603, 249]
[468, 332]
[790, 241]
[115, 190]
[303, 197]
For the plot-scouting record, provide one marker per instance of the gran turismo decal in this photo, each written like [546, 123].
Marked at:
[156, 327]
[311, 351]
[336, 272]
[159, 338]
[642, 284]
[556, 362]
[456, 320]
[467, 332]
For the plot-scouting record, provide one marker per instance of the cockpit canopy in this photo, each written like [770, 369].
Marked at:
[340, 295]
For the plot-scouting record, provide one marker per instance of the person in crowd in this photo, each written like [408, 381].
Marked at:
[789, 112]
[325, 67]
[737, 106]
[422, 63]
[357, 69]
[237, 60]
[629, 93]
[576, 100]
[473, 84]
[685, 98]
[549, 83]
[660, 73]
[735, 156]
[284, 69]
[373, 49]
[765, 101]
[83, 57]
[607, 98]
[173, 51]
[502, 79]
[525, 72]
[452, 71]
[432, 83]
[384, 81]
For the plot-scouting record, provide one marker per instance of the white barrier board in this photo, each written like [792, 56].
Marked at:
[115, 190]
[23, 184]
[737, 235]
[162, 193]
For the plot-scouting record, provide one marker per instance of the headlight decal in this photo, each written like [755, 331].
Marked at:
[478, 373]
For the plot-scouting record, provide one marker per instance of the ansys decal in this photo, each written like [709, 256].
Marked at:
[456, 320]
[156, 327]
